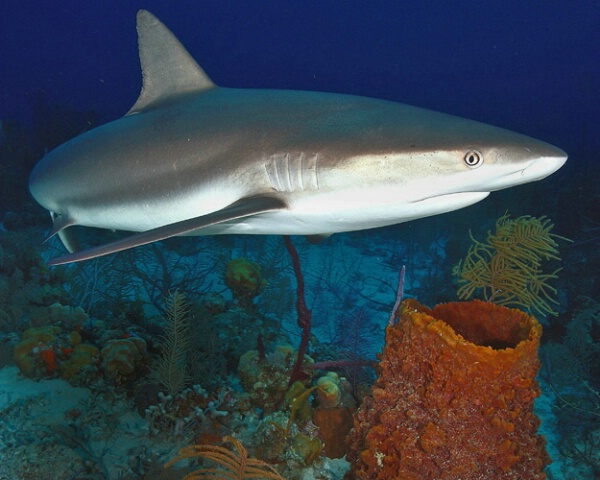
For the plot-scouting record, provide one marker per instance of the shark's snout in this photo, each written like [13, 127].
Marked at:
[542, 167]
[524, 164]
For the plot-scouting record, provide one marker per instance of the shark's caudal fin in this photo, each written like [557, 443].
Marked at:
[168, 70]
[242, 208]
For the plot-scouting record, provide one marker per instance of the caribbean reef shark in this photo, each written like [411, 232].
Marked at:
[191, 158]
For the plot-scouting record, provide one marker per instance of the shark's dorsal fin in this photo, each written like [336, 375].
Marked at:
[168, 70]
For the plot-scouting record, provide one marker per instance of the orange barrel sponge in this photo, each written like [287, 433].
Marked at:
[454, 398]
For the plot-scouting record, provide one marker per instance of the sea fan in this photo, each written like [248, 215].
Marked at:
[356, 345]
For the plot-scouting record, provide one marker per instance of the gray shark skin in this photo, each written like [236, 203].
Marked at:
[191, 158]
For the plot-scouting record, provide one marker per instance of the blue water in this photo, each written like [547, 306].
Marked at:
[531, 67]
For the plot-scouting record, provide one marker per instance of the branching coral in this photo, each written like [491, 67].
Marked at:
[508, 266]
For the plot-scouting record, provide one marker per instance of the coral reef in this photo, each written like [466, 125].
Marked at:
[290, 438]
[306, 447]
[306, 433]
[124, 360]
[267, 380]
[329, 390]
[30, 293]
[223, 338]
[179, 414]
[571, 375]
[34, 354]
[80, 366]
[454, 397]
[335, 406]
[49, 351]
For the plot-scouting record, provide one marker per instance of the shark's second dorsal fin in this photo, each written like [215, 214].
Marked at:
[168, 70]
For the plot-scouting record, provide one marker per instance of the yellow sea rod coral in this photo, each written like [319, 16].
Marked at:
[507, 268]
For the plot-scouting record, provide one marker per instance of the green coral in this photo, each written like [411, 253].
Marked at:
[244, 279]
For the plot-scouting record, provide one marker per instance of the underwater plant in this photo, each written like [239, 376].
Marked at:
[141, 277]
[173, 370]
[236, 466]
[507, 267]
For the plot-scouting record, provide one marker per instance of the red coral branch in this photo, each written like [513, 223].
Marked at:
[304, 314]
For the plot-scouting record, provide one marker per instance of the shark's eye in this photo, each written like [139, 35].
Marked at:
[473, 158]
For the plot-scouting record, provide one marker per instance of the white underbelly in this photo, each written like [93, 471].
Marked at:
[341, 217]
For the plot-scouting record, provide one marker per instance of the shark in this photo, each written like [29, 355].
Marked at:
[193, 158]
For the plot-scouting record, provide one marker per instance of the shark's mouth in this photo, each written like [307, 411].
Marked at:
[455, 196]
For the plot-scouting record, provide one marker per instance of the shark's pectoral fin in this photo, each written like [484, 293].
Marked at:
[242, 208]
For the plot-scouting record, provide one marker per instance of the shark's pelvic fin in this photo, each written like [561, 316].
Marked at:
[59, 226]
[245, 207]
[168, 70]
